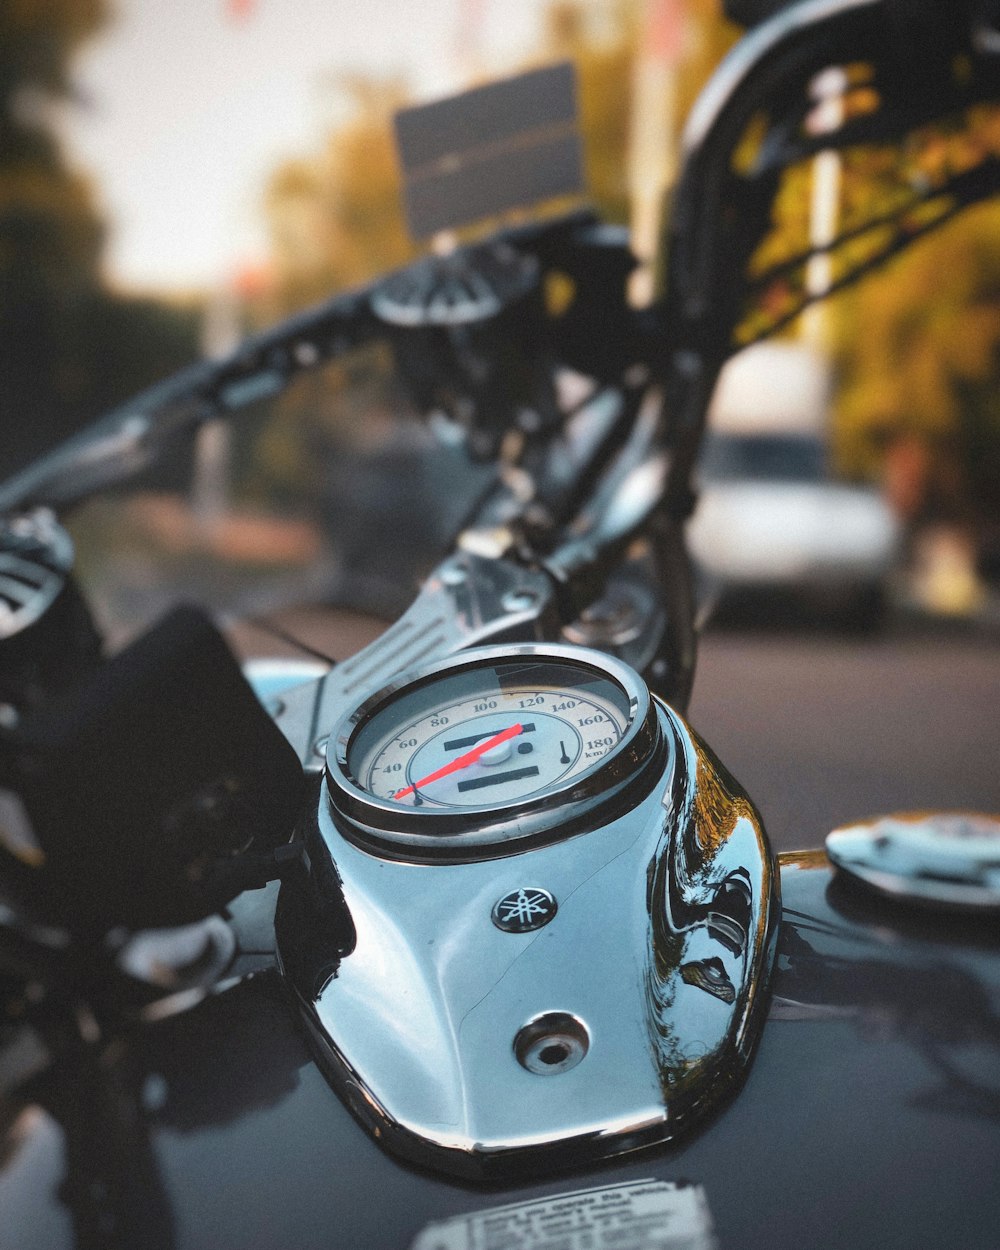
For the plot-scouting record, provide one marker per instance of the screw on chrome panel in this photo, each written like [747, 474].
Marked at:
[551, 1043]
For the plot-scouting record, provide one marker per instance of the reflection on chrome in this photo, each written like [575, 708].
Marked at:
[713, 914]
[616, 1025]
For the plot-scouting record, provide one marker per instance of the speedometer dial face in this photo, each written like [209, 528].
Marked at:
[490, 737]
[493, 746]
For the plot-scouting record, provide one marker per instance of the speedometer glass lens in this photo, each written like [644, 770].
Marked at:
[493, 749]
[489, 735]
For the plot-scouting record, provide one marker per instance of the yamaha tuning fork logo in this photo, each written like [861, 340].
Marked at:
[525, 909]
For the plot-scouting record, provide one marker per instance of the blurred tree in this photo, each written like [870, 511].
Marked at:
[604, 43]
[69, 347]
[336, 220]
[708, 38]
[917, 343]
[926, 364]
[50, 237]
[603, 57]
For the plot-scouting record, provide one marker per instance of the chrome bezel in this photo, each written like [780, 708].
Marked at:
[486, 832]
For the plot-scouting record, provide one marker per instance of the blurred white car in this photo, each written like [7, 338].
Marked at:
[769, 517]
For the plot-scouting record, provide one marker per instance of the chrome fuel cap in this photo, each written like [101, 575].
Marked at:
[946, 860]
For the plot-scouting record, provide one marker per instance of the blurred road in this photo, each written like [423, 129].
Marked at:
[824, 729]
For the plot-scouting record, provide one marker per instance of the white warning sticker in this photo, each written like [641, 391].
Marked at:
[635, 1215]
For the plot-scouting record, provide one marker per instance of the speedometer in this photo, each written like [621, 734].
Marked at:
[496, 745]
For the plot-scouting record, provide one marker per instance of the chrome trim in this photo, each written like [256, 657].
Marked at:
[946, 860]
[461, 605]
[388, 828]
[423, 1015]
[748, 53]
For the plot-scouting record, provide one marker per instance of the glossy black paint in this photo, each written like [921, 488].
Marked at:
[871, 1115]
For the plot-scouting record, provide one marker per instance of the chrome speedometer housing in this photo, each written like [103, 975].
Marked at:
[566, 976]
[570, 800]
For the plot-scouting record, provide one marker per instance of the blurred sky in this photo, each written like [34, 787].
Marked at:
[190, 104]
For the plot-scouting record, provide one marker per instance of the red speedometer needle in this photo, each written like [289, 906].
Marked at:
[462, 761]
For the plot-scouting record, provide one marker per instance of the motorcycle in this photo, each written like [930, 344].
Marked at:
[469, 940]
